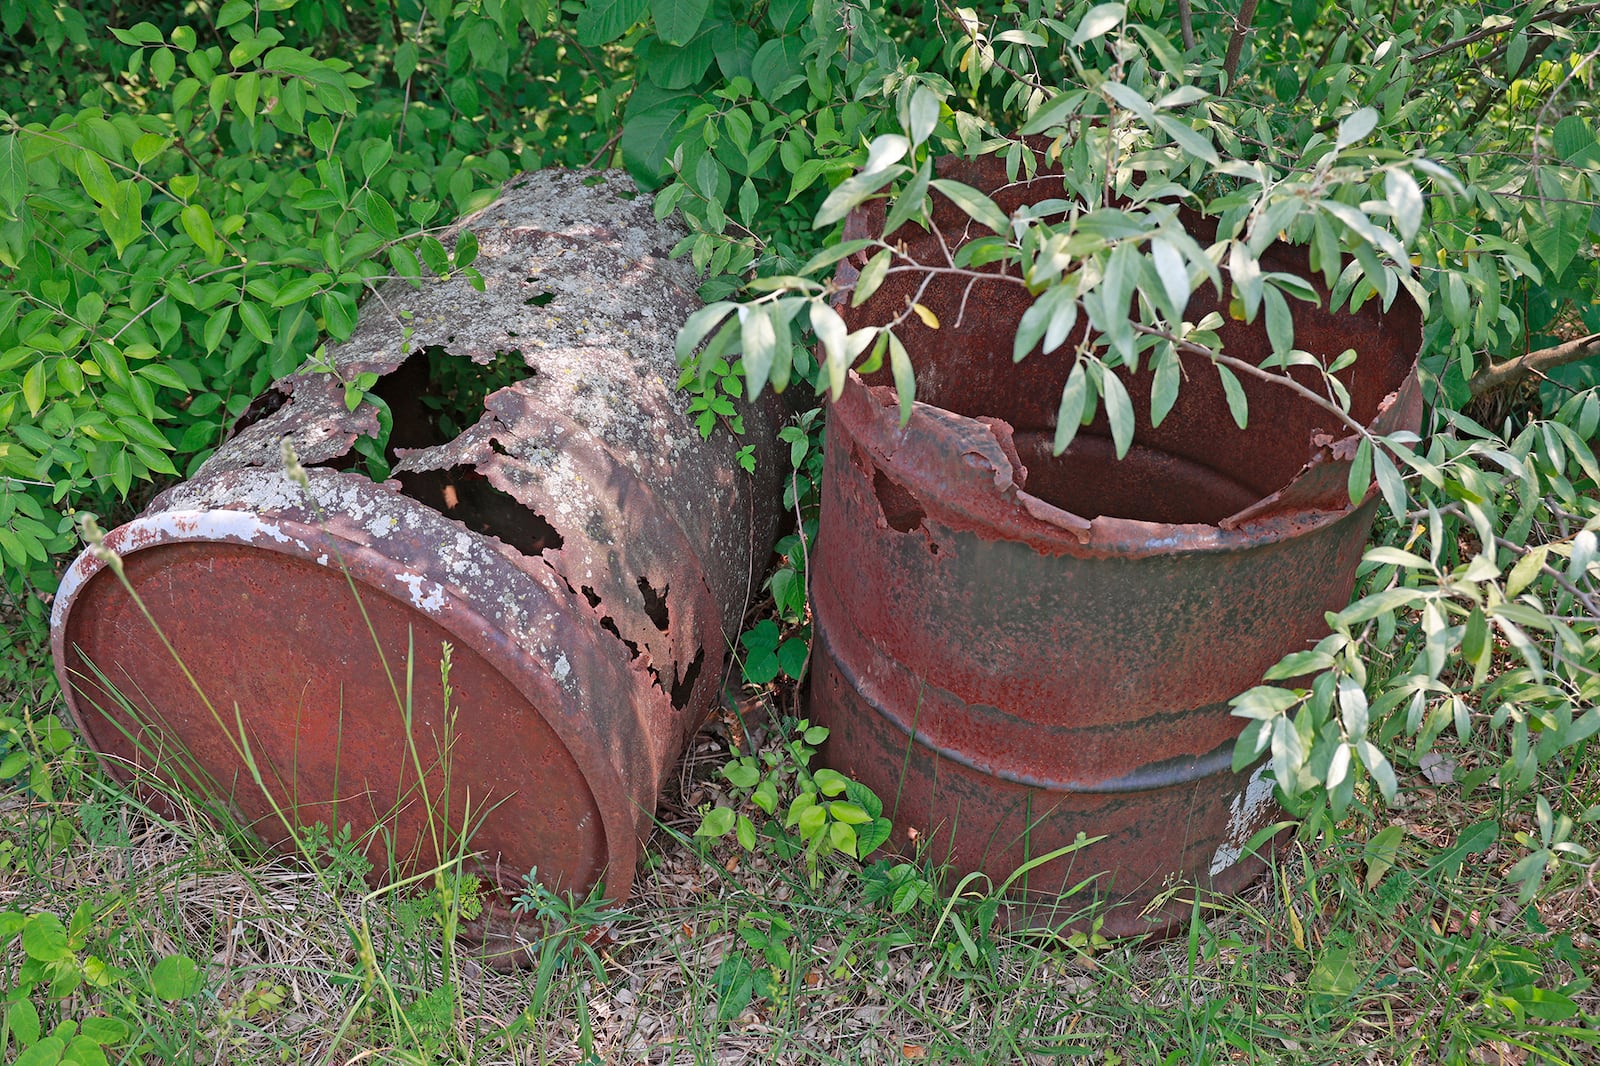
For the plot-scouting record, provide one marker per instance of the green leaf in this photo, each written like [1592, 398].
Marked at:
[44, 938]
[699, 326]
[777, 65]
[922, 114]
[1164, 389]
[1573, 138]
[256, 322]
[1097, 22]
[466, 249]
[1405, 199]
[197, 224]
[1527, 569]
[975, 204]
[217, 327]
[678, 20]
[1069, 416]
[1355, 127]
[1381, 852]
[871, 276]
[1119, 410]
[122, 215]
[843, 837]
[905, 384]
[1360, 478]
[46, 1052]
[33, 388]
[233, 11]
[1188, 138]
[734, 980]
[758, 343]
[13, 172]
[1238, 405]
[23, 1019]
[603, 21]
[1280, 323]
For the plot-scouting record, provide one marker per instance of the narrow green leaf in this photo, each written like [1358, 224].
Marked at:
[1354, 127]
[1405, 199]
[1360, 478]
[1069, 416]
[1097, 22]
[1164, 389]
[1119, 409]
[758, 343]
[13, 172]
[1188, 138]
[1390, 483]
[1174, 276]
[1280, 323]
[699, 326]
[905, 385]
[1238, 405]
[922, 114]
[1526, 570]
[974, 204]
[871, 276]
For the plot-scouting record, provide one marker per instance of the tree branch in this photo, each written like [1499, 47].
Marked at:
[1186, 21]
[1241, 29]
[1557, 17]
[1503, 374]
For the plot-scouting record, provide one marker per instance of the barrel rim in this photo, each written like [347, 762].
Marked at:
[367, 568]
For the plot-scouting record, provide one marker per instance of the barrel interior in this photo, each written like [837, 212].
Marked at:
[335, 700]
[432, 396]
[1197, 465]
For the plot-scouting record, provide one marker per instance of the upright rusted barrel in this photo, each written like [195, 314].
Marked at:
[1014, 648]
[585, 555]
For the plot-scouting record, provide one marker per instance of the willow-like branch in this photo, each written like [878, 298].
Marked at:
[1241, 30]
[1504, 374]
[1558, 17]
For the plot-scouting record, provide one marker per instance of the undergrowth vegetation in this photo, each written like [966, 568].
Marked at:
[194, 199]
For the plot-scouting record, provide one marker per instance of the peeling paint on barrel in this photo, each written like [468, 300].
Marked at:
[1015, 648]
[586, 556]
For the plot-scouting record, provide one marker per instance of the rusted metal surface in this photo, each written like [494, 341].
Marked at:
[583, 551]
[1016, 648]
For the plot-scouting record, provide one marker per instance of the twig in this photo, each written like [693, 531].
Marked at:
[605, 149]
[1557, 17]
[1503, 374]
[1186, 22]
[1241, 29]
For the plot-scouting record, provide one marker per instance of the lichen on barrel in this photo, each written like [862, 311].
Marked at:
[549, 509]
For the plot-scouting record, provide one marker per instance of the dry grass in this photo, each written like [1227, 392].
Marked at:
[1308, 966]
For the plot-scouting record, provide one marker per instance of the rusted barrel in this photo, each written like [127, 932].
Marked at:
[553, 517]
[1015, 648]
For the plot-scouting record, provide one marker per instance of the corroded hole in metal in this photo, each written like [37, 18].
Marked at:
[609, 624]
[263, 406]
[655, 603]
[900, 508]
[683, 688]
[432, 397]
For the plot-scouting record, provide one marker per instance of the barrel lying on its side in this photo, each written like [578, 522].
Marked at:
[553, 518]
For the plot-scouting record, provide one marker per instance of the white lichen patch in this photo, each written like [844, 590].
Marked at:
[426, 596]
